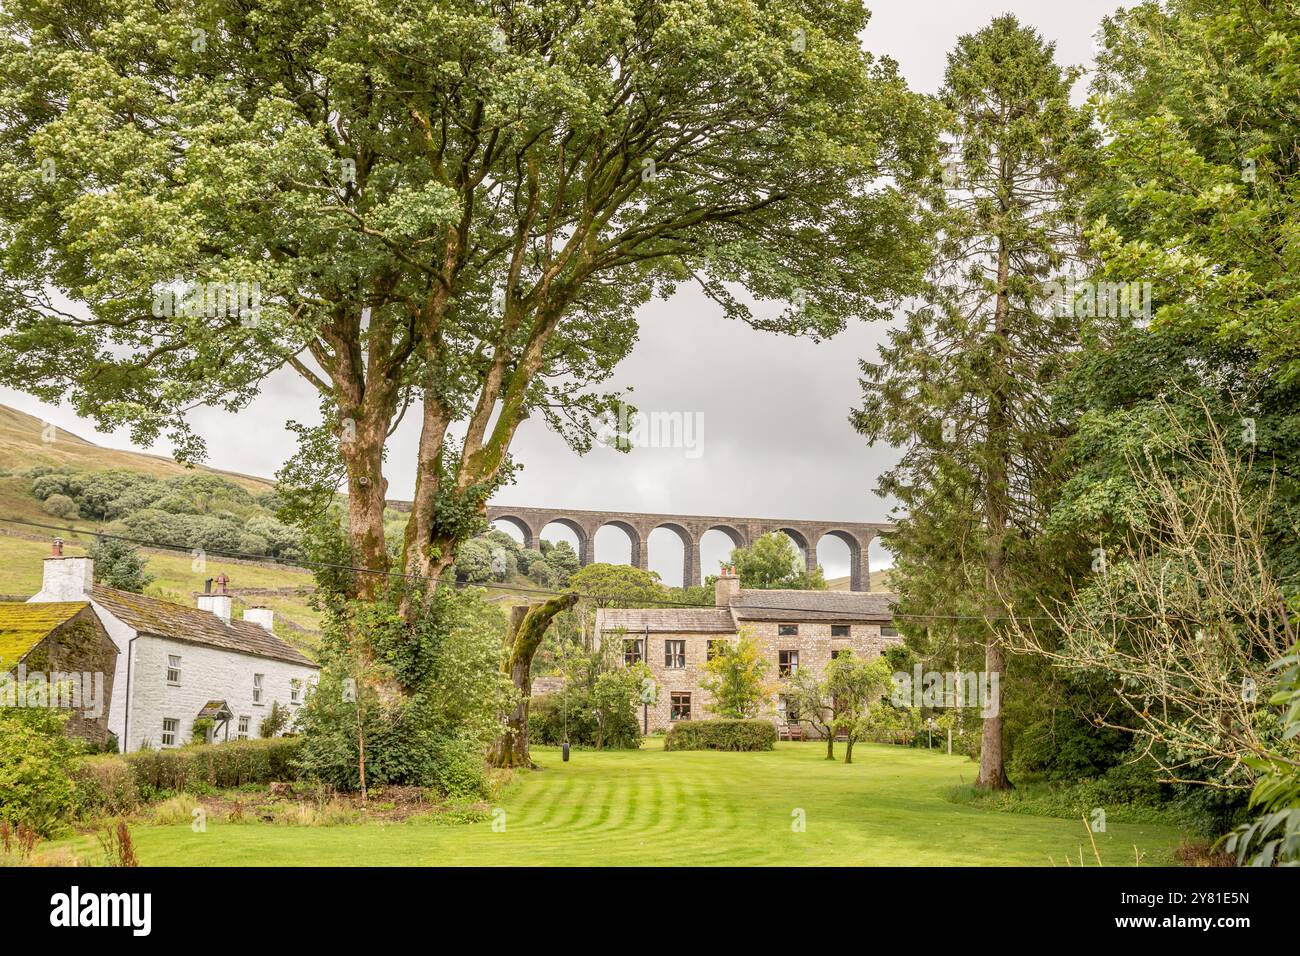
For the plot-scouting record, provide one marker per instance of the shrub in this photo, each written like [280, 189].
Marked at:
[104, 786]
[114, 784]
[36, 759]
[721, 735]
[60, 506]
[274, 723]
[118, 564]
[604, 717]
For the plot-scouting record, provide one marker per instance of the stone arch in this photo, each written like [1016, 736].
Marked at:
[690, 549]
[638, 555]
[524, 528]
[580, 532]
[859, 571]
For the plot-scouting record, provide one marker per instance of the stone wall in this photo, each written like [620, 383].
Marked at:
[813, 643]
[207, 674]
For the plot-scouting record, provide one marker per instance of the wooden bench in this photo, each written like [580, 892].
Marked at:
[791, 732]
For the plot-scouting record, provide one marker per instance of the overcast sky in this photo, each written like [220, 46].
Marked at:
[775, 439]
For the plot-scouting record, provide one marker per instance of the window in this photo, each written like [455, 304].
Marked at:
[787, 630]
[713, 648]
[174, 669]
[680, 705]
[889, 632]
[170, 726]
[674, 653]
[295, 691]
[787, 663]
[633, 650]
[243, 726]
[835, 654]
[257, 688]
[839, 630]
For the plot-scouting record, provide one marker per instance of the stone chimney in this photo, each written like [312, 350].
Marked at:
[218, 601]
[727, 588]
[66, 578]
[261, 616]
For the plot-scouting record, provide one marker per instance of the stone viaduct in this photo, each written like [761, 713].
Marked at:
[691, 528]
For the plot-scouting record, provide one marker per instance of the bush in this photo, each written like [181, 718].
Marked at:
[605, 716]
[104, 786]
[60, 506]
[113, 785]
[721, 735]
[36, 759]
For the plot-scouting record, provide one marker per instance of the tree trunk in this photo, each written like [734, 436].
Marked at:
[527, 628]
[848, 750]
[993, 774]
[363, 457]
[830, 743]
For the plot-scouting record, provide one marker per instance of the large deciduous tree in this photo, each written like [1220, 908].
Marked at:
[453, 208]
[963, 384]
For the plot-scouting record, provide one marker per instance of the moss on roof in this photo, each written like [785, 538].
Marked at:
[23, 626]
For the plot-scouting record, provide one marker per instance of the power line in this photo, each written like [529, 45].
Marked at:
[519, 589]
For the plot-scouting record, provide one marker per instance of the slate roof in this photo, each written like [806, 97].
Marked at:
[23, 625]
[795, 606]
[668, 620]
[192, 625]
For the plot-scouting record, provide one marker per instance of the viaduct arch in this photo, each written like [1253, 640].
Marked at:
[691, 528]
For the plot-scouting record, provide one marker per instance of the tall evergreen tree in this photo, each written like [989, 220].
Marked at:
[963, 384]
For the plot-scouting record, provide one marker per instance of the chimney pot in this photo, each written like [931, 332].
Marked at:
[222, 581]
[57, 549]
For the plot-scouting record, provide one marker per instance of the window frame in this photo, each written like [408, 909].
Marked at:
[889, 631]
[790, 666]
[711, 647]
[242, 728]
[295, 690]
[174, 732]
[677, 700]
[671, 658]
[787, 630]
[637, 654]
[259, 690]
[846, 630]
[173, 668]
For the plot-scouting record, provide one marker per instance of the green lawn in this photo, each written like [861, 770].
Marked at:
[693, 809]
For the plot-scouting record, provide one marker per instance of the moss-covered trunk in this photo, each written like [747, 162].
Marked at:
[527, 628]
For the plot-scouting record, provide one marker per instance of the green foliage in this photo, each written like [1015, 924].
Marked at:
[855, 684]
[617, 585]
[740, 735]
[773, 561]
[118, 564]
[423, 694]
[103, 788]
[1273, 838]
[202, 727]
[735, 678]
[36, 758]
[1062, 747]
[275, 722]
[603, 715]
[61, 506]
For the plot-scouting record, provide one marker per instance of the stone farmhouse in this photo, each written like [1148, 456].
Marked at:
[169, 664]
[796, 629]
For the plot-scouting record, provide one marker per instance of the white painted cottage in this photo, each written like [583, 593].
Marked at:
[176, 664]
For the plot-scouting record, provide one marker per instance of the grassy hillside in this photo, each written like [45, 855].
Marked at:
[879, 582]
[23, 444]
[22, 447]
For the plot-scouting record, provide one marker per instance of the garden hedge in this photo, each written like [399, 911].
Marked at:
[115, 784]
[721, 735]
